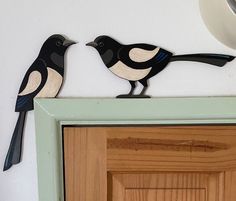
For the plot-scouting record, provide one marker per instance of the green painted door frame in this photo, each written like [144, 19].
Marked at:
[52, 114]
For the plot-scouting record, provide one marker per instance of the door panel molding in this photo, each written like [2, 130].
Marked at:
[194, 186]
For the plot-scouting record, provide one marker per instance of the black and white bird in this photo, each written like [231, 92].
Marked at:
[140, 62]
[44, 78]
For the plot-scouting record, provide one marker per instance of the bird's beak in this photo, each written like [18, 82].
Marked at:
[92, 44]
[68, 43]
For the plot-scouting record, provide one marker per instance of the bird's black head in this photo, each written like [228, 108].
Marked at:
[108, 49]
[104, 43]
[55, 47]
[56, 43]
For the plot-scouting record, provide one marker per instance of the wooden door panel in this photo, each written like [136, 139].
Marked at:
[168, 163]
[166, 186]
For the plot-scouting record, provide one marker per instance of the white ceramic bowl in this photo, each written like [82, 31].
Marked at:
[220, 18]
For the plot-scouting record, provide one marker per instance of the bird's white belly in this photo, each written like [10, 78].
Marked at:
[125, 72]
[52, 85]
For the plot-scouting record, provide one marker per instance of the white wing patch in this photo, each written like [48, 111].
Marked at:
[125, 72]
[141, 55]
[52, 85]
[32, 84]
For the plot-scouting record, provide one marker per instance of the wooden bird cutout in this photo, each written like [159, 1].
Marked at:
[43, 79]
[139, 62]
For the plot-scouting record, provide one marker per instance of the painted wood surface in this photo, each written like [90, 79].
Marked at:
[51, 114]
[140, 61]
[43, 78]
[141, 55]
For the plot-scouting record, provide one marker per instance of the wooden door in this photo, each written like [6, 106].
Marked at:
[166, 163]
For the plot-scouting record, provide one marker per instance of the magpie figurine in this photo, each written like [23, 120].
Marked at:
[43, 79]
[140, 62]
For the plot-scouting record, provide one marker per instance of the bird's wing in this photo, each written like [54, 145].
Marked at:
[34, 76]
[162, 55]
[141, 56]
[34, 80]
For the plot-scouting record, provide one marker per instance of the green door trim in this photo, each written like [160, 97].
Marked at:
[52, 114]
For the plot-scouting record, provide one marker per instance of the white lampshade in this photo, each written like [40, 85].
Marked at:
[220, 18]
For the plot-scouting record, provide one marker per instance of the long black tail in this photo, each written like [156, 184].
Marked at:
[14, 151]
[213, 59]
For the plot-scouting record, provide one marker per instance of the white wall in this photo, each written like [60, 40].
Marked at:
[25, 24]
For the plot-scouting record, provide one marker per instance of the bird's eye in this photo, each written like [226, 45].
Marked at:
[101, 44]
[58, 43]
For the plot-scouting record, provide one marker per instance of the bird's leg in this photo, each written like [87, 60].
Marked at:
[133, 85]
[130, 94]
[143, 91]
[145, 86]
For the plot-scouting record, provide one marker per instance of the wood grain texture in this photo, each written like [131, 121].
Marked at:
[168, 145]
[166, 195]
[172, 148]
[85, 164]
[230, 186]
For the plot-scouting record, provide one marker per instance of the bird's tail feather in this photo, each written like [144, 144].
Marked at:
[14, 151]
[213, 59]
